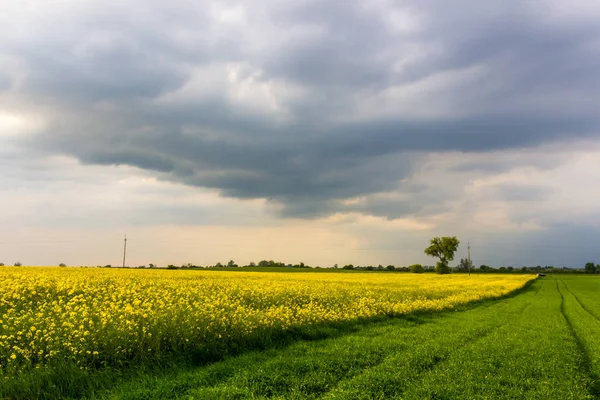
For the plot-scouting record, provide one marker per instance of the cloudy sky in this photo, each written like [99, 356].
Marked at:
[316, 131]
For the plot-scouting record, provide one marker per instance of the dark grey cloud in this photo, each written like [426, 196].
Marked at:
[561, 245]
[136, 88]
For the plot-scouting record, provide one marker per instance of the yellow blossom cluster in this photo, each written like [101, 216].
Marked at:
[101, 317]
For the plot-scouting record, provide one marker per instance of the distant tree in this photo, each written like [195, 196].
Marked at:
[390, 268]
[464, 265]
[62, 265]
[335, 266]
[349, 266]
[502, 269]
[17, 264]
[1, 264]
[444, 249]
[524, 269]
[151, 266]
[171, 266]
[590, 268]
[510, 269]
[416, 268]
[370, 268]
[231, 263]
[484, 268]
[252, 264]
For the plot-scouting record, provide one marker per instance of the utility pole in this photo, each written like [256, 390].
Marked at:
[124, 250]
[469, 257]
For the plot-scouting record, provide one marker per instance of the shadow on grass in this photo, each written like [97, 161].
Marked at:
[68, 381]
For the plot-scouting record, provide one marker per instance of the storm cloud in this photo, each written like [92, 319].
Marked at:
[311, 102]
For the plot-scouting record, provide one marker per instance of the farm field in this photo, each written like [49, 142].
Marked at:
[542, 343]
[297, 335]
[61, 326]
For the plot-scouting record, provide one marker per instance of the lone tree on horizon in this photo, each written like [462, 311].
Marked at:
[444, 249]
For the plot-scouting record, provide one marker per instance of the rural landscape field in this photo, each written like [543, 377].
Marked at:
[299, 199]
[139, 334]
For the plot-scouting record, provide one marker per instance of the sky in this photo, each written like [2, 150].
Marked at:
[325, 132]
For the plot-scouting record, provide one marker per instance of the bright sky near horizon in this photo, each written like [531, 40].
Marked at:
[337, 131]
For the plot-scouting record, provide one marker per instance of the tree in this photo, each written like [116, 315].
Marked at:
[231, 264]
[464, 265]
[390, 268]
[444, 249]
[416, 268]
[349, 266]
[62, 265]
[590, 268]
[1, 264]
[18, 264]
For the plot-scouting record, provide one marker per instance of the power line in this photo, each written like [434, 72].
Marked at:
[124, 250]
[469, 257]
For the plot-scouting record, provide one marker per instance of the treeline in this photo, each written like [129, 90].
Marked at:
[462, 267]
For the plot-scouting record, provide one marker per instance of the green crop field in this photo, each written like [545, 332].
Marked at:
[539, 342]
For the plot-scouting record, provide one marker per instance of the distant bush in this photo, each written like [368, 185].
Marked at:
[171, 266]
[62, 265]
[390, 268]
[17, 264]
[349, 266]
[416, 268]
[1, 264]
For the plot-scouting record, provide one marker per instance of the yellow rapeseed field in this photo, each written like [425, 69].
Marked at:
[99, 317]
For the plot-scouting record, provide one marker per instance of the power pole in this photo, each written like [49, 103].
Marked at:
[124, 250]
[469, 257]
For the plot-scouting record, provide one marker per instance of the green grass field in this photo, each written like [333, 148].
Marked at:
[542, 343]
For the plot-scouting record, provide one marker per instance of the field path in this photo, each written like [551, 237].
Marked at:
[541, 344]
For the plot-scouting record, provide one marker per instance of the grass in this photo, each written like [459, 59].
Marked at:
[543, 343]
